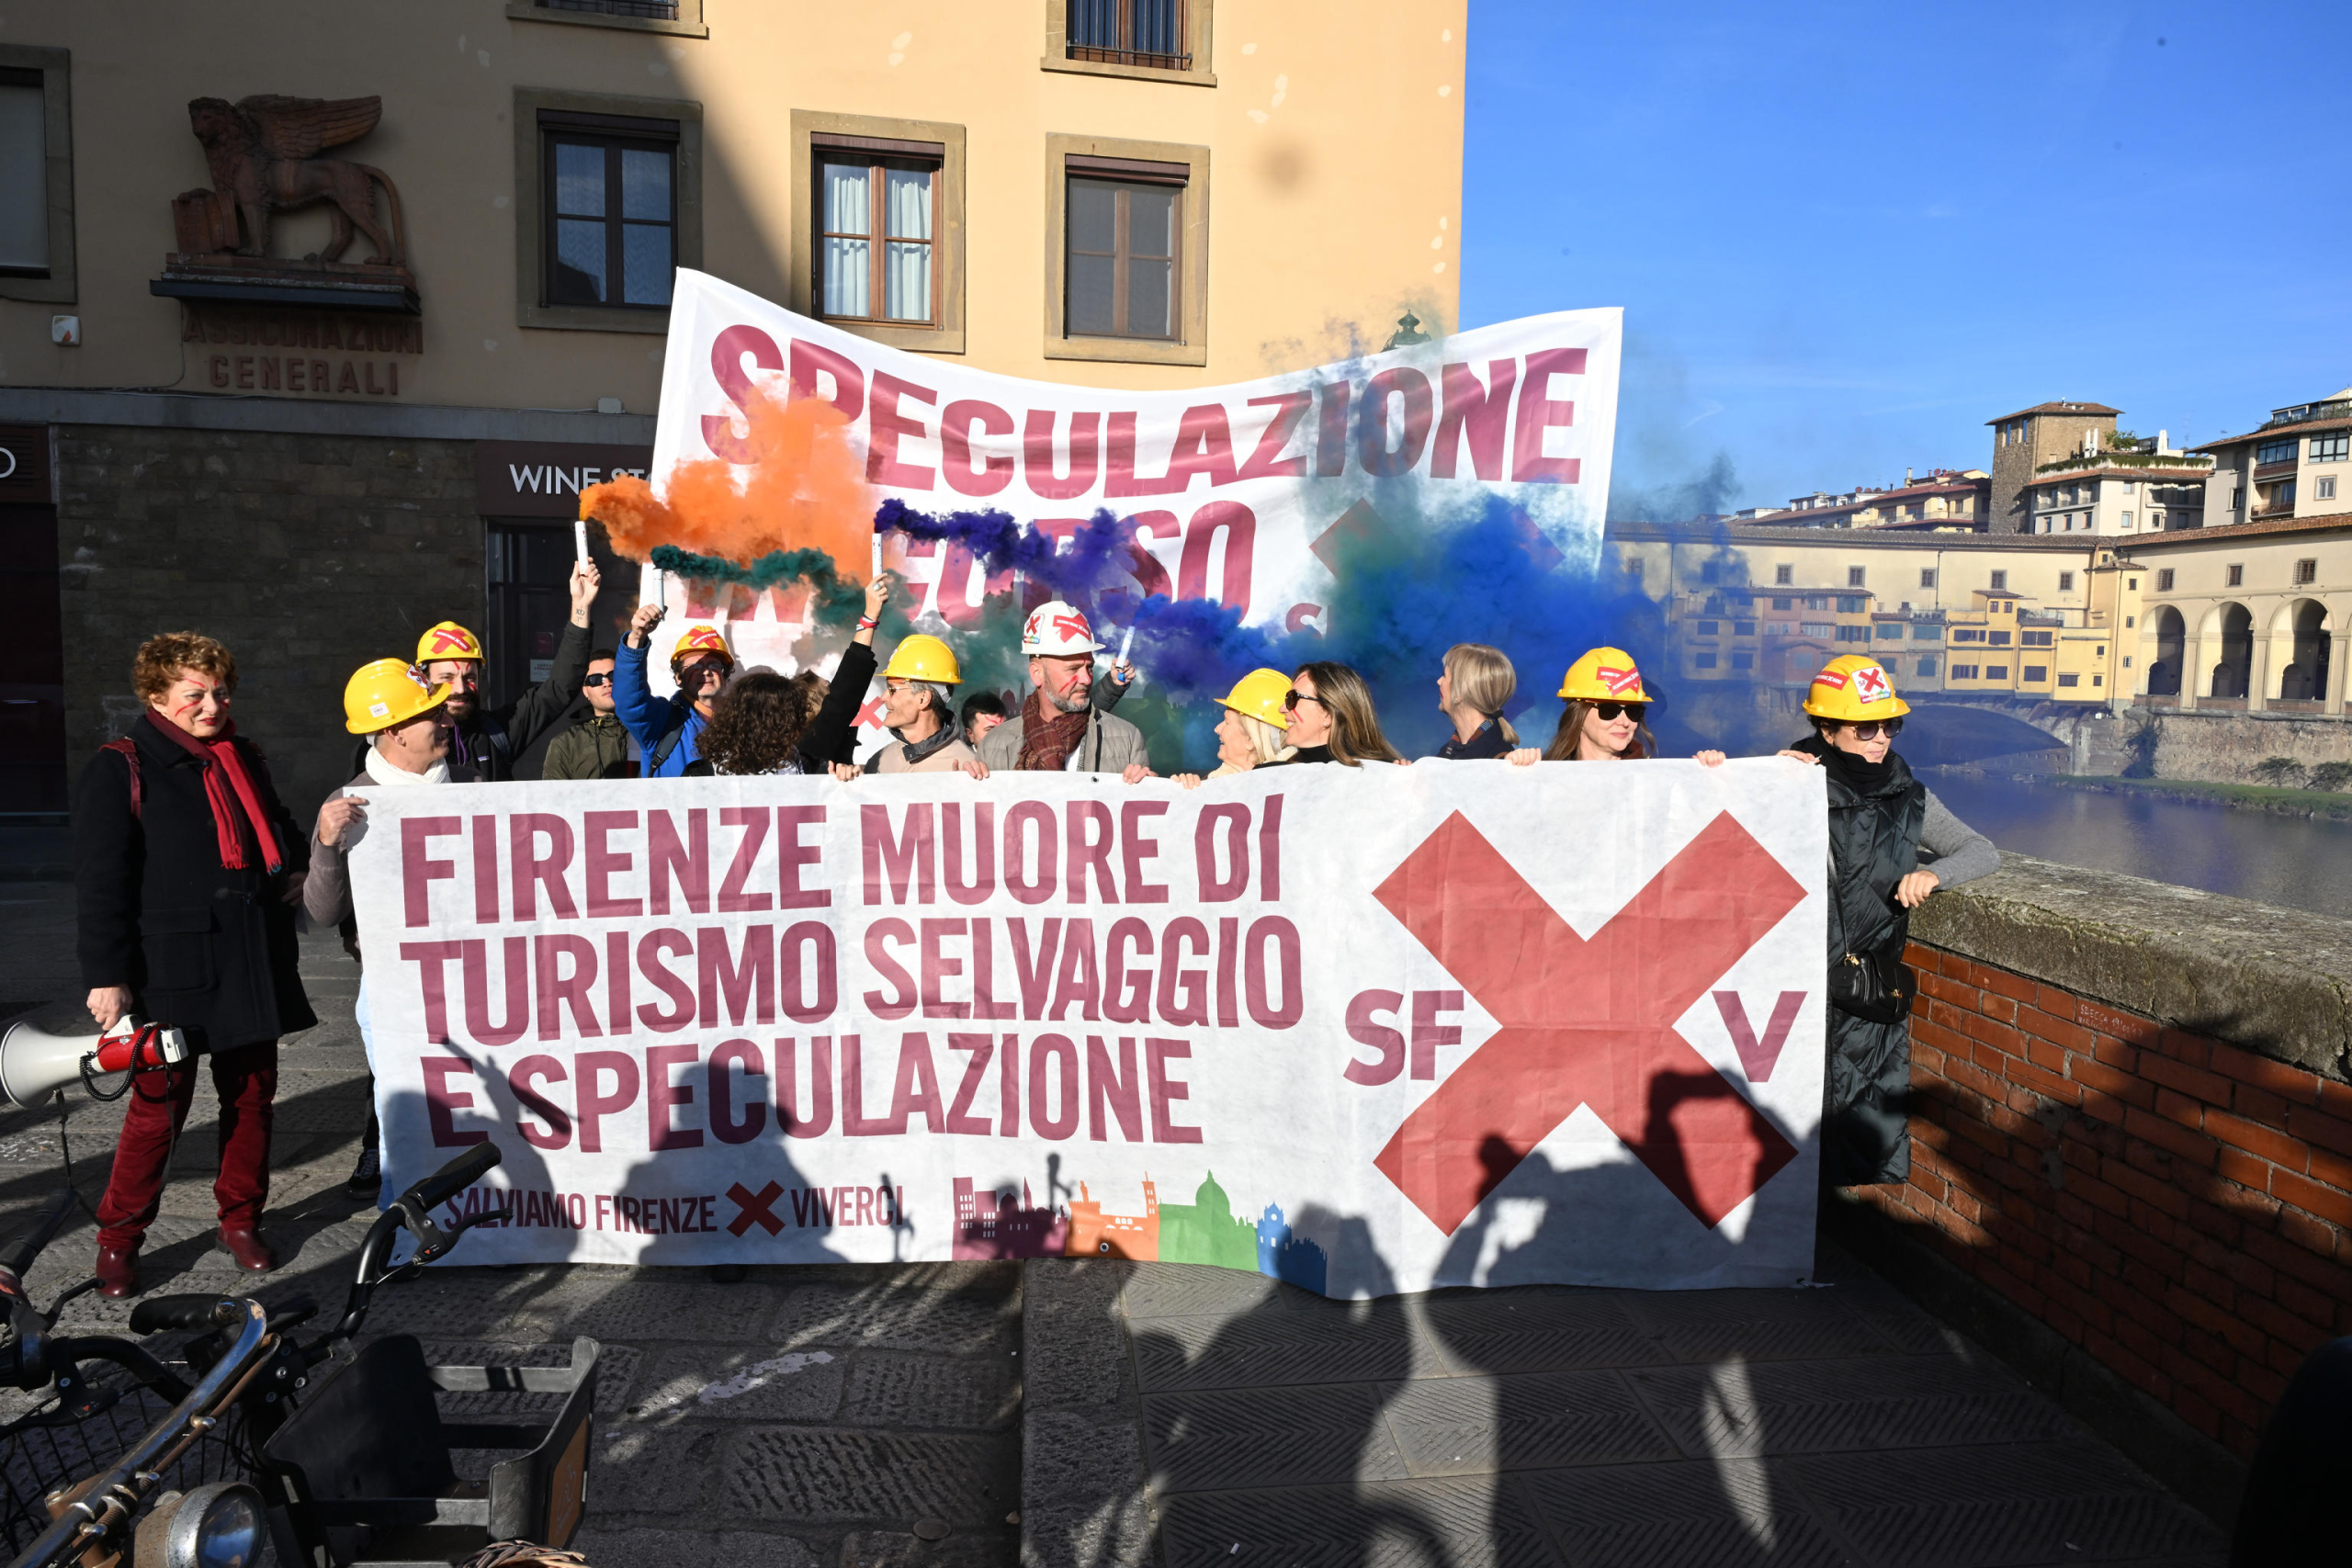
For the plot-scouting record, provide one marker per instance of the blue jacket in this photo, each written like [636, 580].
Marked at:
[651, 719]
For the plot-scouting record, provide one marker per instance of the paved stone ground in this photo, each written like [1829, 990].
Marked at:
[1532, 1427]
[1175, 1417]
[802, 1416]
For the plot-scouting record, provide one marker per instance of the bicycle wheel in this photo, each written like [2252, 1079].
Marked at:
[120, 1395]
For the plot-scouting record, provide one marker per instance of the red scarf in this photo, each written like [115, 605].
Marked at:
[1048, 735]
[228, 788]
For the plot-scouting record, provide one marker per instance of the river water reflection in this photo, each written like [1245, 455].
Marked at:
[2302, 863]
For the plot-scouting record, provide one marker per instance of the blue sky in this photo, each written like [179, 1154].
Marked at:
[1846, 236]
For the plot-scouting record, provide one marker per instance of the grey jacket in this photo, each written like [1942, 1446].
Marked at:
[326, 886]
[1955, 852]
[1109, 745]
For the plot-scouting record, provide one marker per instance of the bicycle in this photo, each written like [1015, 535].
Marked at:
[356, 1470]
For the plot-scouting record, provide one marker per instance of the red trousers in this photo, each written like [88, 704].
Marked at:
[246, 1082]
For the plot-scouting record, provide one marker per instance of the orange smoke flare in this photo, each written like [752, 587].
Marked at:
[805, 489]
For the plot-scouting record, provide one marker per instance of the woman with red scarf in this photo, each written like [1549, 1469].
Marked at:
[188, 871]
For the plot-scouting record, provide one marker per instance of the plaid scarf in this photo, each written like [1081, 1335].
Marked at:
[1048, 735]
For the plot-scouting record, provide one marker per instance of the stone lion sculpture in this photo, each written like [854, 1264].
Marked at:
[261, 152]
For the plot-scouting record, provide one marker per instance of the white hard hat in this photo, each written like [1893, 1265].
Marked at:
[1054, 627]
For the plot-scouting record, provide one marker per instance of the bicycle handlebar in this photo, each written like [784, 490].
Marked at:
[157, 1314]
[454, 1177]
[18, 1257]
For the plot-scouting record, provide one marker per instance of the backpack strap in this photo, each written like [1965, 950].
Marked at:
[661, 749]
[129, 751]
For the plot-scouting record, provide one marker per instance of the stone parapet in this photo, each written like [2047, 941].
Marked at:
[2132, 1151]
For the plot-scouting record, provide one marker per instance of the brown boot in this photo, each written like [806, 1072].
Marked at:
[118, 1270]
[247, 1246]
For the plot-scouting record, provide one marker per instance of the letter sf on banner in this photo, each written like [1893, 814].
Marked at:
[1236, 490]
[1365, 1030]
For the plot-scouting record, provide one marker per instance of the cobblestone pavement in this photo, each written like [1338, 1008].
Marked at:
[1537, 1426]
[803, 1416]
[1175, 1417]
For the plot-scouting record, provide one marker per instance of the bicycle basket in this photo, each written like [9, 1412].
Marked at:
[55, 1446]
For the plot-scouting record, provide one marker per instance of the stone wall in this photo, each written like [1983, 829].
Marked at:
[2225, 747]
[2132, 1151]
[307, 554]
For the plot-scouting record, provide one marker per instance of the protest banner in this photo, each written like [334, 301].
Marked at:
[1369, 1028]
[1240, 494]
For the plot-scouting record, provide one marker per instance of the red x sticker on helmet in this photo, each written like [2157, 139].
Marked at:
[1619, 679]
[1870, 683]
[451, 639]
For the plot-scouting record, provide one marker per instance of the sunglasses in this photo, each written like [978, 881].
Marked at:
[1894, 727]
[604, 680]
[1291, 699]
[1608, 711]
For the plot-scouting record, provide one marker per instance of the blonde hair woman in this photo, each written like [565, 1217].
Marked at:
[1331, 718]
[1254, 731]
[1607, 704]
[1475, 685]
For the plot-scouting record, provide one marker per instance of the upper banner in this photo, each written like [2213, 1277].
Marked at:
[1368, 1029]
[1235, 489]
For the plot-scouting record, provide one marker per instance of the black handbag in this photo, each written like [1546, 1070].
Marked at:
[1875, 986]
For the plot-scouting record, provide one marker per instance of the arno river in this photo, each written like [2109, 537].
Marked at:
[2305, 864]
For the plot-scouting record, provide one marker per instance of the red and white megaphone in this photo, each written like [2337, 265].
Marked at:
[35, 1062]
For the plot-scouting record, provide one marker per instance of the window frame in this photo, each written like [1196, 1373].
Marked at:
[1199, 33]
[689, 22]
[2000, 583]
[1856, 577]
[2306, 572]
[2323, 487]
[59, 284]
[2236, 573]
[1117, 158]
[815, 132]
[2334, 447]
[2163, 580]
[1123, 185]
[878, 163]
[605, 134]
[1783, 576]
[2065, 582]
[535, 201]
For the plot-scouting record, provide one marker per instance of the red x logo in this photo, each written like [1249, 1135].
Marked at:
[449, 641]
[755, 1209]
[1619, 679]
[1587, 1023]
[1870, 682]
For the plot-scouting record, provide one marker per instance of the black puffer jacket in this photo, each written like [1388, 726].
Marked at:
[203, 948]
[1874, 844]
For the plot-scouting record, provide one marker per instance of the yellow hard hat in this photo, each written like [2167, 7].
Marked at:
[447, 640]
[1852, 688]
[1259, 695]
[1604, 676]
[922, 658]
[386, 692]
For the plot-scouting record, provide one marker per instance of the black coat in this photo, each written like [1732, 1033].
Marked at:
[1874, 844]
[203, 948]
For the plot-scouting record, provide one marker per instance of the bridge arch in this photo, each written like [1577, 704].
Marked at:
[2300, 632]
[2227, 636]
[2167, 636]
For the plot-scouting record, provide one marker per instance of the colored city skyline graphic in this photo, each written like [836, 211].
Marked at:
[992, 1225]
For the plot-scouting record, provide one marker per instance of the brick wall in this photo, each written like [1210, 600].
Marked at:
[2177, 1207]
[307, 554]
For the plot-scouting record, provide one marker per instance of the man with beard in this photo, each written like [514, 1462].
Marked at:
[1059, 728]
[486, 742]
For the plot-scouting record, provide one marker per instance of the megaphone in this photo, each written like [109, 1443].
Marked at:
[34, 1062]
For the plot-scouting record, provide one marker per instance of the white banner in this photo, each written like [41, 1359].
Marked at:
[1368, 1029]
[1236, 490]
